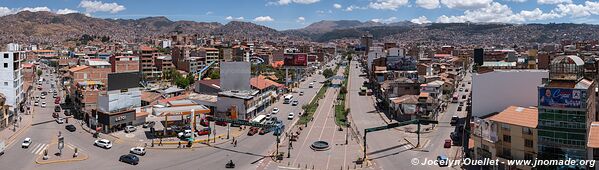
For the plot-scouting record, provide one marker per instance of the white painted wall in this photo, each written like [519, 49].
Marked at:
[495, 91]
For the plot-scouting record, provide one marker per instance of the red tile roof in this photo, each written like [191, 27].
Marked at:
[78, 68]
[519, 116]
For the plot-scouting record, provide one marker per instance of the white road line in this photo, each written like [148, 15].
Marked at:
[41, 150]
[35, 147]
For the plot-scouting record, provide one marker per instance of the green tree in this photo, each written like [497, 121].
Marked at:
[190, 78]
[214, 74]
[39, 72]
[327, 73]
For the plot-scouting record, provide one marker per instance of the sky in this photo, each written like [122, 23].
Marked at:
[294, 14]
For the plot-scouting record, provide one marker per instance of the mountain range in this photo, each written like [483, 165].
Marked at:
[47, 27]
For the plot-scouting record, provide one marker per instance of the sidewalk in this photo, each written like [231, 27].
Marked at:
[8, 134]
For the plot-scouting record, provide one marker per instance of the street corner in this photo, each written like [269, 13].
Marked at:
[69, 153]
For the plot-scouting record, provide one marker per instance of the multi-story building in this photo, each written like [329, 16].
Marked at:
[121, 64]
[164, 63]
[508, 135]
[566, 109]
[11, 81]
[86, 83]
[116, 107]
[210, 54]
[146, 63]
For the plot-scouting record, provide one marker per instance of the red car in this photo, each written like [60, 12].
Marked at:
[204, 122]
[447, 143]
[221, 123]
[204, 131]
[57, 100]
[253, 130]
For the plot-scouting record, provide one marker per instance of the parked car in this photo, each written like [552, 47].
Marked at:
[275, 110]
[204, 122]
[130, 159]
[221, 123]
[67, 113]
[462, 89]
[43, 104]
[103, 143]
[205, 131]
[447, 143]
[138, 151]
[265, 130]
[253, 130]
[185, 134]
[43, 97]
[60, 120]
[130, 128]
[454, 120]
[311, 85]
[57, 109]
[26, 143]
[36, 103]
[290, 116]
[301, 93]
[70, 128]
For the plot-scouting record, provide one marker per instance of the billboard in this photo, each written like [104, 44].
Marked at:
[563, 98]
[296, 59]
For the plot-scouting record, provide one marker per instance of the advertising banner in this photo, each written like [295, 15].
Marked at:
[299, 59]
[563, 98]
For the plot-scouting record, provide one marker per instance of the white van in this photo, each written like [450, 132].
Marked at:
[259, 119]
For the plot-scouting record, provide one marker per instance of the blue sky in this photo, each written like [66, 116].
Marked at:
[292, 14]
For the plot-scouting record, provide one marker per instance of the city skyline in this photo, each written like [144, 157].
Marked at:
[295, 14]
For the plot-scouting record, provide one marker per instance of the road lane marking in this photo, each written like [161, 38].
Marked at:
[35, 147]
[41, 150]
[311, 127]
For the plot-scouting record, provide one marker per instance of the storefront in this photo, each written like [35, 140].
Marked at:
[115, 121]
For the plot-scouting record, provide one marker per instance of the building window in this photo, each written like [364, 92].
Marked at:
[5, 55]
[526, 131]
[528, 143]
[507, 138]
[5, 65]
[485, 147]
[505, 127]
[507, 152]
[5, 83]
[528, 156]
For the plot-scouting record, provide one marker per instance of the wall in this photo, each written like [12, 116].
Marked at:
[497, 90]
[235, 76]
[224, 103]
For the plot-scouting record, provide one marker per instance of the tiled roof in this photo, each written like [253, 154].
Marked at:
[78, 68]
[519, 116]
[261, 83]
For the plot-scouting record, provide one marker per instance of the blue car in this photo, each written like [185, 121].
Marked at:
[443, 161]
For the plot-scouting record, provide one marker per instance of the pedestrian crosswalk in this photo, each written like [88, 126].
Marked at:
[38, 149]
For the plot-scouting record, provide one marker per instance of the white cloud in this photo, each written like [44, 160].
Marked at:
[466, 4]
[353, 7]
[428, 4]
[232, 18]
[36, 9]
[301, 19]
[66, 11]
[337, 6]
[420, 20]
[321, 12]
[497, 12]
[388, 20]
[554, 1]
[263, 19]
[209, 13]
[516, 0]
[578, 10]
[286, 2]
[387, 4]
[99, 6]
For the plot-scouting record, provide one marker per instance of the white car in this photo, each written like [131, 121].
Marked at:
[130, 129]
[294, 103]
[43, 104]
[36, 103]
[138, 151]
[43, 97]
[60, 120]
[301, 93]
[104, 143]
[26, 143]
[186, 133]
[275, 110]
[311, 85]
[291, 115]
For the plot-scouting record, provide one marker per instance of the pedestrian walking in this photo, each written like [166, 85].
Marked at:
[235, 145]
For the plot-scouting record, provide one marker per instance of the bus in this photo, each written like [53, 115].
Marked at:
[288, 99]
[259, 119]
[455, 98]
[362, 91]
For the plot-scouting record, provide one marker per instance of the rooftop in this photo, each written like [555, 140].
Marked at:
[498, 64]
[519, 116]
[97, 63]
[77, 68]
[239, 94]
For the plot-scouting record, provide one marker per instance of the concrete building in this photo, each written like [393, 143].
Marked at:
[210, 54]
[84, 84]
[508, 135]
[116, 107]
[122, 64]
[494, 91]
[146, 63]
[566, 110]
[11, 81]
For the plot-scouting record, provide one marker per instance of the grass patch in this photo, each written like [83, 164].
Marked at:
[310, 108]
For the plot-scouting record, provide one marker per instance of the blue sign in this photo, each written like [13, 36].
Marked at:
[563, 98]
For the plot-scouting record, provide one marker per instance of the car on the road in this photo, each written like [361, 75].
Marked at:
[301, 93]
[70, 128]
[67, 113]
[275, 110]
[253, 130]
[57, 109]
[26, 143]
[43, 104]
[465, 90]
[204, 122]
[205, 131]
[130, 128]
[454, 120]
[60, 120]
[36, 103]
[187, 133]
[294, 103]
[57, 100]
[265, 130]
[290, 116]
[103, 143]
[442, 160]
[43, 97]
[130, 159]
[54, 95]
[462, 89]
[447, 143]
[311, 85]
[138, 151]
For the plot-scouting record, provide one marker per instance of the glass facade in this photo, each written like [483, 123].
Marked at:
[562, 132]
